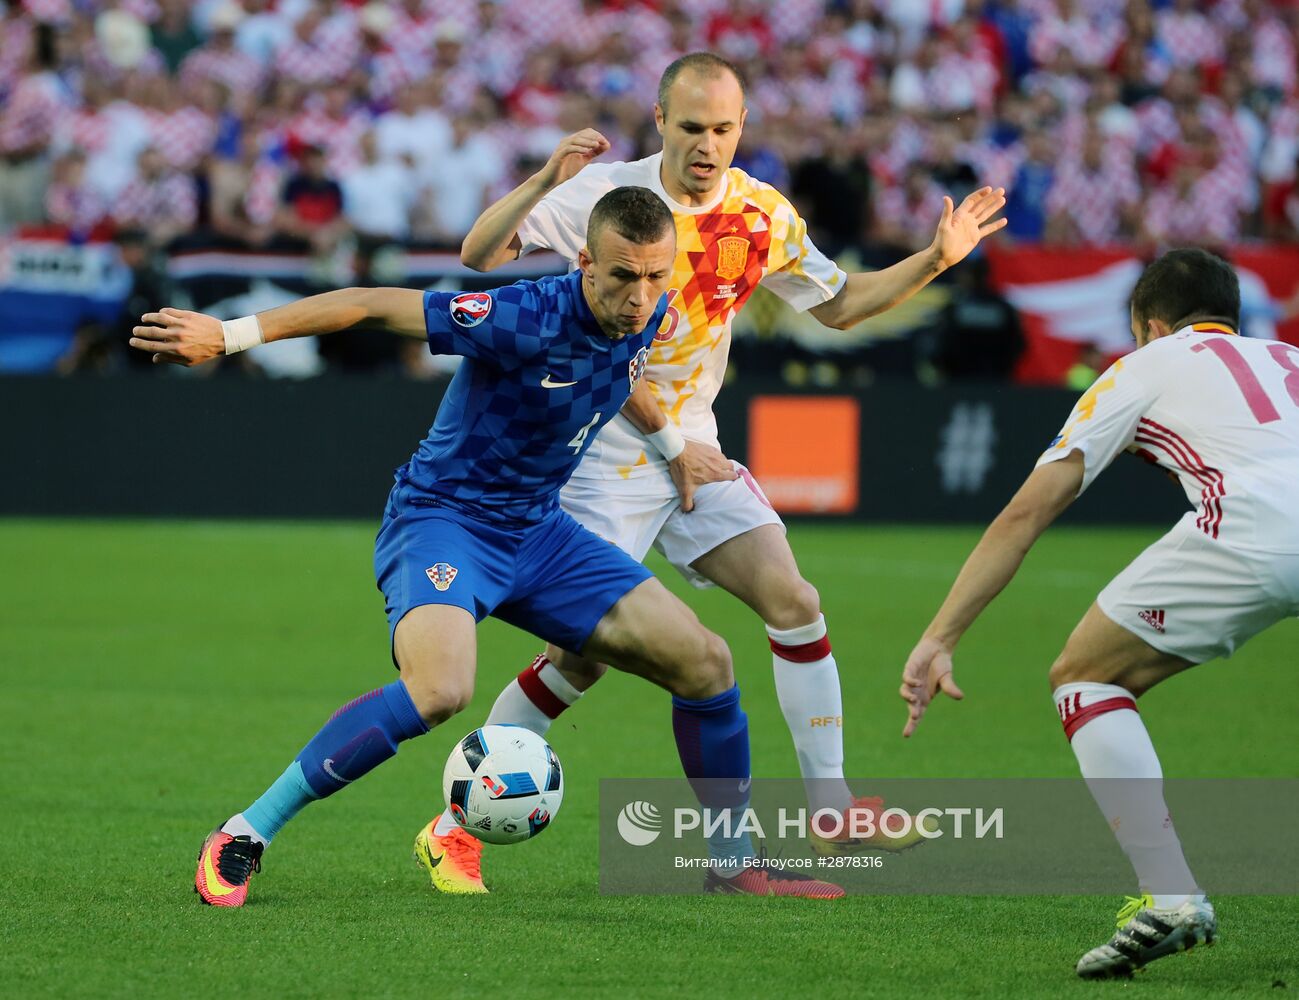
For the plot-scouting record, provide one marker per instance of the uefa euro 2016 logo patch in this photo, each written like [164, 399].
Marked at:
[636, 369]
[441, 575]
[470, 309]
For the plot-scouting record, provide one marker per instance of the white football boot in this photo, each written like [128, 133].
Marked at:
[1146, 933]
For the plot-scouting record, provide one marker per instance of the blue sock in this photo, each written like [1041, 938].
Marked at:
[713, 741]
[278, 804]
[357, 738]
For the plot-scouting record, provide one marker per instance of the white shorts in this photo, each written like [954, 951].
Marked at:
[638, 514]
[1191, 596]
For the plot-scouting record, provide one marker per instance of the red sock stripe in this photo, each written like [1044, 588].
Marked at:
[808, 652]
[535, 688]
[1075, 718]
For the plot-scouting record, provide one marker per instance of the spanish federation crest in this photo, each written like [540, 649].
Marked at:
[732, 257]
[636, 368]
[441, 575]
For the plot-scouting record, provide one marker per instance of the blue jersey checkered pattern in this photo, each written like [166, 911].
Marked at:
[539, 380]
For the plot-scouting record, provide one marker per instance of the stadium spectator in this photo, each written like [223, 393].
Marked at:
[415, 25]
[117, 42]
[1094, 198]
[762, 156]
[243, 194]
[1086, 370]
[265, 30]
[184, 131]
[835, 191]
[741, 31]
[884, 103]
[1188, 36]
[416, 127]
[977, 335]
[897, 210]
[69, 201]
[489, 55]
[1272, 62]
[456, 188]
[218, 58]
[949, 163]
[174, 35]
[28, 120]
[305, 59]
[378, 194]
[379, 69]
[1027, 195]
[333, 121]
[160, 200]
[938, 78]
[536, 99]
[1143, 60]
[17, 30]
[1066, 25]
[100, 346]
[1199, 204]
[311, 206]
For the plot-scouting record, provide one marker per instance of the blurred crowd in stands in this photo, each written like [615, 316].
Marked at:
[1106, 120]
[310, 124]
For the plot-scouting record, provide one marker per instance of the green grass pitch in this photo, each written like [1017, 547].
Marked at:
[157, 675]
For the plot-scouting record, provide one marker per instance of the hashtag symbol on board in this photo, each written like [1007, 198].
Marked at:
[965, 450]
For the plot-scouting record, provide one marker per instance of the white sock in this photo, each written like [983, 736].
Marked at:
[1110, 741]
[807, 687]
[535, 698]
[237, 826]
[445, 824]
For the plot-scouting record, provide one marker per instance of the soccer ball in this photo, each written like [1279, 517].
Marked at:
[503, 784]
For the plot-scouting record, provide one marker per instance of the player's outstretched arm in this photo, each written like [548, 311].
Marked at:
[959, 231]
[993, 563]
[182, 337]
[494, 238]
[690, 463]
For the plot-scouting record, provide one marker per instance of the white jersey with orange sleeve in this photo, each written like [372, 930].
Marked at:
[1218, 411]
[749, 234]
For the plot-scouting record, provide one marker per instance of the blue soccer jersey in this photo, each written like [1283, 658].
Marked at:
[539, 380]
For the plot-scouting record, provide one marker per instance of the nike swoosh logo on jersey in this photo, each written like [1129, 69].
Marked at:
[546, 383]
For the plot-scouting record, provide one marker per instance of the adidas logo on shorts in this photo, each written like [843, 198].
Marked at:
[1155, 619]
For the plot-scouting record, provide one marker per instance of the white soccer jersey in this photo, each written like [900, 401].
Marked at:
[1220, 412]
[748, 235]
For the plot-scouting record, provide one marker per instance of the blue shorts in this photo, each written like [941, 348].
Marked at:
[554, 579]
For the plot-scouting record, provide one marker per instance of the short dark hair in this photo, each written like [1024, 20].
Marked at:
[1186, 284]
[634, 213]
[705, 64]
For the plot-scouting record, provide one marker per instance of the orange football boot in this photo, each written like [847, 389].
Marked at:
[225, 864]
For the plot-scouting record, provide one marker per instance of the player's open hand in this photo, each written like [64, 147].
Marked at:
[179, 337]
[697, 465]
[960, 230]
[571, 155]
[928, 671]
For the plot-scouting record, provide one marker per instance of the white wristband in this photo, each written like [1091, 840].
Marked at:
[668, 441]
[242, 333]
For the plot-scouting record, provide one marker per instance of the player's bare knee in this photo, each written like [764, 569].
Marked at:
[437, 698]
[797, 604]
[577, 670]
[711, 672]
[1071, 667]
